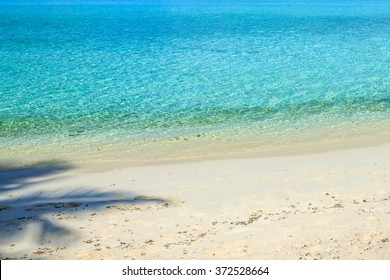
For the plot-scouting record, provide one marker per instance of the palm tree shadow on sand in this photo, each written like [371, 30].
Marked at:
[38, 212]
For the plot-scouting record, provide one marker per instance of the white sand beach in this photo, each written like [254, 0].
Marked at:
[329, 205]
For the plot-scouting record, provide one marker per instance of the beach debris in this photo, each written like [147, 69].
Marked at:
[5, 207]
[71, 205]
[145, 197]
[252, 218]
[42, 251]
[44, 206]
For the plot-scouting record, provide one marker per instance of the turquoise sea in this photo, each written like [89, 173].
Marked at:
[144, 80]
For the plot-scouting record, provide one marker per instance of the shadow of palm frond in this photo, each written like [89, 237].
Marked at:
[15, 178]
[40, 209]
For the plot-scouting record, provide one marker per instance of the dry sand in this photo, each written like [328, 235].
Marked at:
[332, 205]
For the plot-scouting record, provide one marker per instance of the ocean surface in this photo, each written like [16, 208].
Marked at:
[147, 80]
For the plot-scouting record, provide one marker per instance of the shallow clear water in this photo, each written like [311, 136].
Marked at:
[162, 79]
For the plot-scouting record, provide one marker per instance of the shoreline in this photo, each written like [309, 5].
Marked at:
[102, 159]
[278, 151]
[331, 205]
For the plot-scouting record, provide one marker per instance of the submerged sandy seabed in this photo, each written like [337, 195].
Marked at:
[330, 205]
